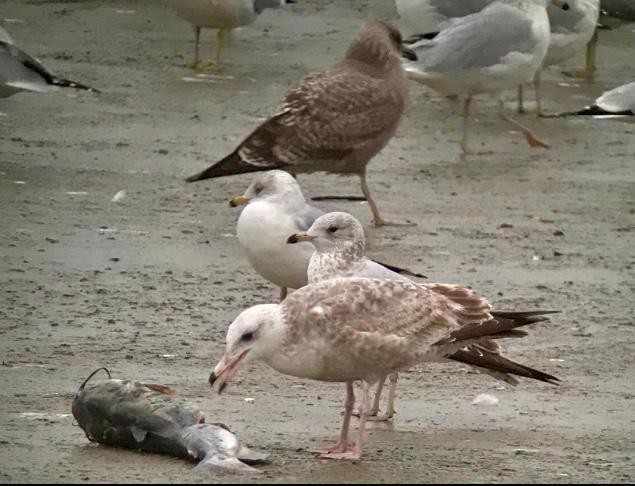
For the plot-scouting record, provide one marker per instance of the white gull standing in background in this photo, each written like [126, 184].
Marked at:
[276, 208]
[498, 48]
[223, 15]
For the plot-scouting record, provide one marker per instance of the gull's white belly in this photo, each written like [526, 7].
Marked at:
[263, 233]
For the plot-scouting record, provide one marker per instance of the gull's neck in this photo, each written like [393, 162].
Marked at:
[335, 260]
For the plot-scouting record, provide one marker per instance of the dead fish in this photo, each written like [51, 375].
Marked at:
[149, 417]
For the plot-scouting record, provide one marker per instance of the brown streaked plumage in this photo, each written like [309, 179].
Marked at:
[335, 121]
[350, 329]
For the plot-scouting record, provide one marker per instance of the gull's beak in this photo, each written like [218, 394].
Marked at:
[409, 54]
[238, 201]
[561, 4]
[296, 238]
[225, 371]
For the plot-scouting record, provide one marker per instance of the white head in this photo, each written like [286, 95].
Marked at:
[334, 232]
[275, 186]
[255, 334]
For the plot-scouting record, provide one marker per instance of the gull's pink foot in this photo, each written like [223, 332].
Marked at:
[336, 449]
[350, 455]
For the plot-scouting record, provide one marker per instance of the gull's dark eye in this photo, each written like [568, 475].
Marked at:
[258, 189]
[332, 229]
[248, 336]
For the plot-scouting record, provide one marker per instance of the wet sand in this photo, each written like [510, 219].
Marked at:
[147, 286]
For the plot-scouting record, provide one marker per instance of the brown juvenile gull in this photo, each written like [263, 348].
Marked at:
[336, 120]
[223, 15]
[350, 329]
[275, 209]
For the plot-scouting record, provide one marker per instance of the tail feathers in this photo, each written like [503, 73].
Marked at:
[400, 271]
[502, 324]
[500, 364]
[231, 165]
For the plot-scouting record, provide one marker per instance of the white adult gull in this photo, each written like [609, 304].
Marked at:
[223, 15]
[572, 31]
[498, 48]
[21, 72]
[351, 329]
[276, 208]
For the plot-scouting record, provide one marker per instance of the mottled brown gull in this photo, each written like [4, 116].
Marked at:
[275, 209]
[335, 121]
[350, 329]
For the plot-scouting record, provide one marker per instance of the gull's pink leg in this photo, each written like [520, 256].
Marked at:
[390, 407]
[356, 453]
[374, 409]
[342, 444]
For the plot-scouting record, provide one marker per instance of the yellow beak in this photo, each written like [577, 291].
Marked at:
[238, 201]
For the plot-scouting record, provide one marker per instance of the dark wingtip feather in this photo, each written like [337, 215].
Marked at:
[400, 271]
[498, 363]
[233, 164]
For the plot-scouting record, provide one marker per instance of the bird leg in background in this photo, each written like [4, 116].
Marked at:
[537, 88]
[589, 71]
[356, 452]
[532, 140]
[390, 407]
[220, 42]
[521, 108]
[466, 118]
[342, 446]
[196, 61]
[379, 221]
[374, 410]
[283, 293]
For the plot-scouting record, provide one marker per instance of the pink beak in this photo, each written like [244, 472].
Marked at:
[224, 371]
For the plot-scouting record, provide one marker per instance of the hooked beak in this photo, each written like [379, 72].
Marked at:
[409, 54]
[296, 238]
[561, 4]
[224, 371]
[238, 201]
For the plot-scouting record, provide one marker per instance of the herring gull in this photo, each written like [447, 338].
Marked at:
[498, 48]
[21, 72]
[336, 120]
[276, 208]
[223, 15]
[352, 329]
